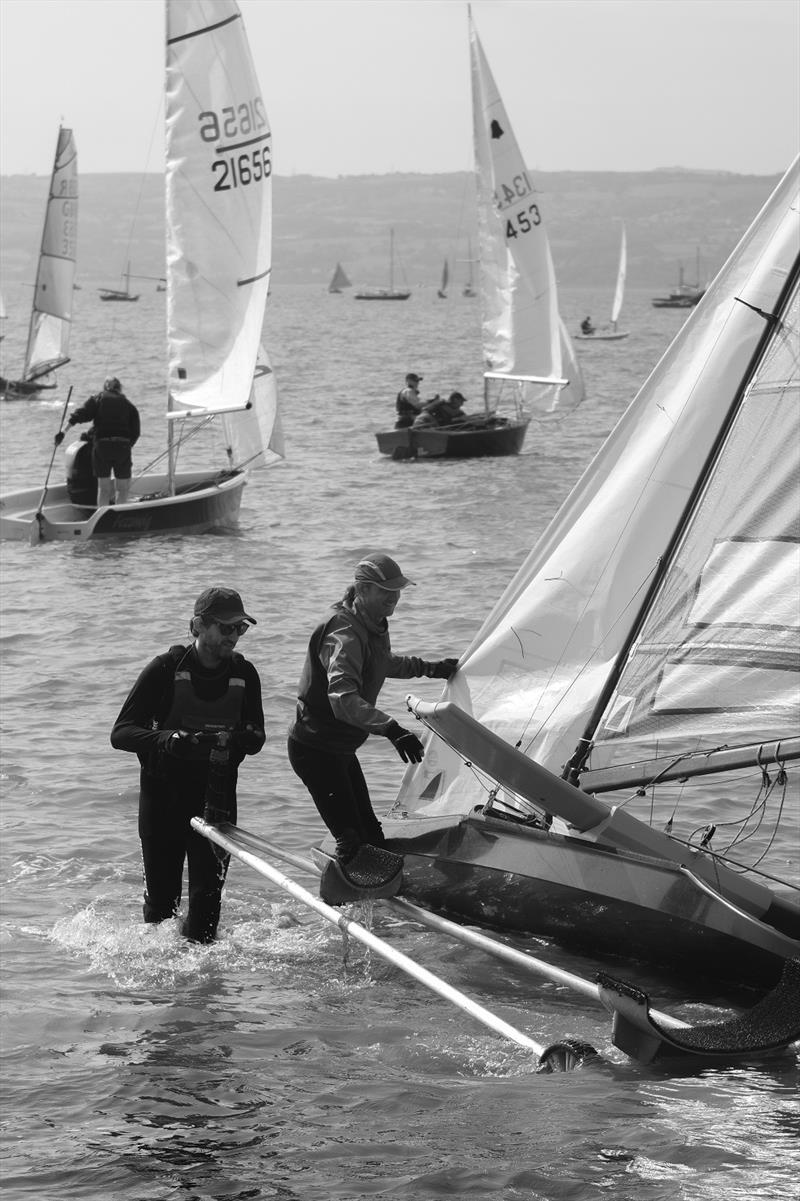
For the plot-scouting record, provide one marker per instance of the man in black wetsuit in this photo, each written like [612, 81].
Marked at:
[184, 704]
[115, 430]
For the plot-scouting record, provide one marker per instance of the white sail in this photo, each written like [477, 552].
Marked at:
[51, 315]
[540, 668]
[219, 207]
[522, 331]
[619, 293]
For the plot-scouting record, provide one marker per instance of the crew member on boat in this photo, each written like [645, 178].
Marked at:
[115, 429]
[408, 403]
[348, 659]
[443, 412]
[191, 717]
[586, 326]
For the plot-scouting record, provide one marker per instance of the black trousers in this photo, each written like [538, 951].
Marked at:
[164, 854]
[340, 793]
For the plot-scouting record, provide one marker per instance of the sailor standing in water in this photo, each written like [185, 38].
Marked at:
[187, 707]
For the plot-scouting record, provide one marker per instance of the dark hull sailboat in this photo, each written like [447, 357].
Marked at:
[648, 645]
[531, 366]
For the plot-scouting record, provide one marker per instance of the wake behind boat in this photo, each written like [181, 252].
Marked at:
[528, 355]
[649, 644]
[51, 312]
[218, 268]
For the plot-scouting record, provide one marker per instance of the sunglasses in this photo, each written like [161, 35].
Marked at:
[226, 628]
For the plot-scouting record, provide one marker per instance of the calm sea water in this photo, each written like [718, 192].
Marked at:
[272, 1064]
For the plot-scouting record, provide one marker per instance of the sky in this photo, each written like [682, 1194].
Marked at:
[356, 87]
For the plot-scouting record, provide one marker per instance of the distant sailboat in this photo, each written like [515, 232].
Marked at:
[610, 333]
[339, 281]
[390, 293]
[442, 293]
[530, 363]
[117, 294]
[685, 296]
[51, 313]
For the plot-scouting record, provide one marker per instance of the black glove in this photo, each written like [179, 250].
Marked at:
[407, 745]
[59, 437]
[249, 740]
[442, 670]
[180, 744]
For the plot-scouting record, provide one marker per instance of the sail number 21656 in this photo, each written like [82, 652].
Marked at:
[246, 158]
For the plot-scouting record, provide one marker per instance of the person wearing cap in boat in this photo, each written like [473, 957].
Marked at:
[443, 412]
[191, 717]
[348, 659]
[408, 403]
[115, 430]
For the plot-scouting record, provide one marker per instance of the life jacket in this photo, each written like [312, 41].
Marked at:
[190, 712]
[315, 721]
[113, 418]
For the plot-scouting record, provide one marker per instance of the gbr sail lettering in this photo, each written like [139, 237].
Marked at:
[243, 144]
[515, 208]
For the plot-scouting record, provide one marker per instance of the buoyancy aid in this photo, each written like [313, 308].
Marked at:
[113, 419]
[190, 712]
[315, 721]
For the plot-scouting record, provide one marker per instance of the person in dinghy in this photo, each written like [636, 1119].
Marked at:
[192, 716]
[115, 431]
[348, 659]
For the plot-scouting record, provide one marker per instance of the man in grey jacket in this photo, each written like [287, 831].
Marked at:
[349, 656]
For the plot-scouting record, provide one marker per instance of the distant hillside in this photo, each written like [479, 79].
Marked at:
[669, 215]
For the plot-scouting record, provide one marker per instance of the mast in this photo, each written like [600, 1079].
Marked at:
[575, 765]
[391, 260]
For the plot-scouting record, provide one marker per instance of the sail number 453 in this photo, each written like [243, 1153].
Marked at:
[523, 221]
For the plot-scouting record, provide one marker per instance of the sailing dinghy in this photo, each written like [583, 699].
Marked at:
[529, 358]
[610, 333]
[442, 289]
[121, 294]
[390, 293]
[51, 312]
[649, 644]
[219, 235]
[339, 280]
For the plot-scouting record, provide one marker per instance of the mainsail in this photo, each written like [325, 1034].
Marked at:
[51, 315]
[219, 223]
[339, 281]
[619, 293]
[522, 330]
[659, 608]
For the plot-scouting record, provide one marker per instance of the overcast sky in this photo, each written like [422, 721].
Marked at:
[357, 87]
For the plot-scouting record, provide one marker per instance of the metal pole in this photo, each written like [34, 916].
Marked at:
[354, 930]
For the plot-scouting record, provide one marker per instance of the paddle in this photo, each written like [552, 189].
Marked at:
[35, 532]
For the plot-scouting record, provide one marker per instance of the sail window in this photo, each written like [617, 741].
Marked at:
[749, 583]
